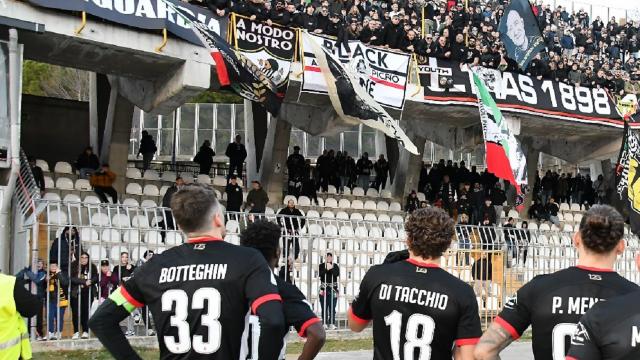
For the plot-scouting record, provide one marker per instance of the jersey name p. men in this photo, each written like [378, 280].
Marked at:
[611, 330]
[553, 304]
[419, 311]
[199, 294]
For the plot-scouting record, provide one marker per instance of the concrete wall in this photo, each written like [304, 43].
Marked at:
[54, 129]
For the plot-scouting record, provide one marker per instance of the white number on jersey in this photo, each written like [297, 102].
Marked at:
[561, 332]
[412, 341]
[209, 319]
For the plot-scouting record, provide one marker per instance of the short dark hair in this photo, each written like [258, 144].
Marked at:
[263, 236]
[124, 252]
[601, 229]
[429, 232]
[193, 207]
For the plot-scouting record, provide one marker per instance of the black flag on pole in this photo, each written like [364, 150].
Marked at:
[233, 68]
[520, 33]
[628, 176]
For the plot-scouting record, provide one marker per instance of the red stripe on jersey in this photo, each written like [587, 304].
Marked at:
[303, 329]
[356, 318]
[422, 264]
[588, 268]
[469, 341]
[202, 239]
[263, 299]
[510, 329]
[130, 298]
[570, 358]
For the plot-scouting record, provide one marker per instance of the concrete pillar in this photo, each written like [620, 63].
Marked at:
[93, 111]
[533, 156]
[274, 159]
[595, 168]
[116, 138]
[608, 172]
[407, 174]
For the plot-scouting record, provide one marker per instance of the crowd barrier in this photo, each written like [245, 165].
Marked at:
[496, 261]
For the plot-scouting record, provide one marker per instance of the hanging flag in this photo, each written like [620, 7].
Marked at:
[351, 101]
[520, 33]
[233, 68]
[627, 175]
[505, 158]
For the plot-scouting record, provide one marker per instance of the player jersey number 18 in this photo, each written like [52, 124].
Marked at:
[209, 319]
[411, 336]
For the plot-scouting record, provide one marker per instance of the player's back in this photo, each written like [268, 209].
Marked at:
[553, 304]
[199, 295]
[611, 330]
[417, 309]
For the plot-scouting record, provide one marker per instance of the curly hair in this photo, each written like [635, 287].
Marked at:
[601, 229]
[194, 207]
[429, 232]
[263, 236]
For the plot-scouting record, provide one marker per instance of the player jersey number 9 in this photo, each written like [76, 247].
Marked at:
[411, 336]
[183, 343]
[559, 339]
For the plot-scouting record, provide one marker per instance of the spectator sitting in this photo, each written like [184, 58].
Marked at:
[537, 211]
[38, 175]
[234, 195]
[102, 182]
[552, 209]
[147, 149]
[412, 202]
[204, 157]
[87, 163]
[257, 198]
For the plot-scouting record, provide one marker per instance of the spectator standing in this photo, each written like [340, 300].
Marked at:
[488, 212]
[498, 198]
[329, 274]
[58, 301]
[382, 172]
[257, 199]
[65, 249]
[39, 281]
[84, 276]
[477, 202]
[204, 157]
[447, 193]
[87, 163]
[167, 221]
[412, 202]
[107, 281]
[292, 220]
[309, 189]
[464, 201]
[236, 153]
[38, 175]
[295, 169]
[147, 149]
[123, 271]
[234, 195]
[363, 170]
[286, 271]
[600, 189]
[102, 182]
[346, 170]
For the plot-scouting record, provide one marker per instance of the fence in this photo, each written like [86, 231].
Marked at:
[496, 261]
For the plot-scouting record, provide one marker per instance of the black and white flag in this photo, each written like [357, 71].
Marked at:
[520, 33]
[352, 102]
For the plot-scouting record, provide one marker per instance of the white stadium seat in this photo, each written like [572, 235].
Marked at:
[356, 216]
[395, 206]
[168, 176]
[370, 217]
[382, 205]
[286, 199]
[371, 192]
[48, 182]
[163, 189]
[115, 253]
[51, 196]
[63, 167]
[568, 217]
[219, 181]
[203, 179]
[130, 202]
[564, 207]
[386, 194]
[421, 196]
[99, 219]
[72, 198]
[313, 214]
[357, 205]
[342, 215]
[358, 191]
[110, 235]
[332, 190]
[151, 190]
[514, 214]
[344, 204]
[97, 252]
[384, 218]
[148, 204]
[140, 221]
[83, 185]
[133, 173]
[91, 199]
[331, 203]
[132, 236]
[133, 189]
[64, 183]
[370, 205]
[173, 238]
[397, 219]
[577, 218]
[43, 165]
[575, 207]
[151, 175]
[138, 252]
[304, 201]
[152, 237]
[88, 234]
[361, 232]
[327, 214]
[57, 217]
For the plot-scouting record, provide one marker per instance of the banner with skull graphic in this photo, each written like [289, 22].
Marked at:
[381, 72]
[271, 47]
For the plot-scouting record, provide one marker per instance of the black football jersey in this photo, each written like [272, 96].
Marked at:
[298, 314]
[199, 294]
[611, 330]
[419, 311]
[553, 304]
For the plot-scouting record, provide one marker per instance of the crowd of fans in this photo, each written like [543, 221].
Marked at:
[579, 50]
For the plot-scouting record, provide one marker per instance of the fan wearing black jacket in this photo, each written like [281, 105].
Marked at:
[393, 32]
[280, 15]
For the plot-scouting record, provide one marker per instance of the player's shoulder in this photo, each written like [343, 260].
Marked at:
[289, 292]
[617, 305]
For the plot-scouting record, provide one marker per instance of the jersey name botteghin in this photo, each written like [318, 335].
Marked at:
[193, 272]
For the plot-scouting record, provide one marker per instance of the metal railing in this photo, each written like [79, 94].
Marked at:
[496, 261]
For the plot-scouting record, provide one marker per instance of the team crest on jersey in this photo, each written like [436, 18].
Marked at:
[511, 302]
[421, 270]
[595, 277]
[580, 336]
[199, 246]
